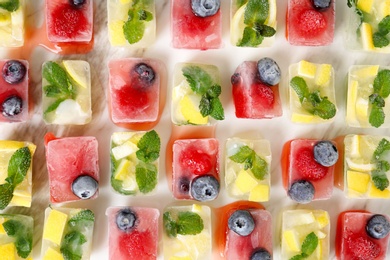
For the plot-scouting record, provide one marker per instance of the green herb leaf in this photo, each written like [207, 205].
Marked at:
[383, 146]
[242, 155]
[52, 91]
[324, 109]
[10, 5]
[214, 91]
[74, 237]
[205, 106]
[169, 225]
[377, 100]
[251, 160]
[22, 234]
[377, 116]
[198, 79]
[310, 244]
[18, 166]
[84, 215]
[379, 40]
[54, 105]
[259, 168]
[380, 180]
[298, 257]
[299, 85]
[217, 111]
[189, 223]
[133, 30]
[250, 38]
[145, 15]
[149, 147]
[23, 246]
[256, 11]
[58, 77]
[382, 83]
[146, 177]
[70, 255]
[11, 227]
[384, 25]
[265, 30]
[6, 194]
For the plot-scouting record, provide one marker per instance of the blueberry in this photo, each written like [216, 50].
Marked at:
[261, 254]
[235, 78]
[12, 106]
[321, 5]
[378, 226]
[205, 8]
[77, 3]
[269, 71]
[84, 186]
[145, 73]
[301, 191]
[125, 219]
[325, 153]
[14, 71]
[204, 188]
[241, 222]
[184, 185]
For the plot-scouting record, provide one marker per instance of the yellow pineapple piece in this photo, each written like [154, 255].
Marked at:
[245, 182]
[358, 181]
[259, 193]
[54, 226]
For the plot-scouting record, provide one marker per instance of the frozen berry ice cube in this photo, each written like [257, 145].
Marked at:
[12, 17]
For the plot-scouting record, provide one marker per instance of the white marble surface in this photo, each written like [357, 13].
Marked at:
[277, 130]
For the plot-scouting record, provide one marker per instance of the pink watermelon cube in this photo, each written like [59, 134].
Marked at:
[133, 233]
[310, 23]
[194, 26]
[196, 169]
[72, 164]
[14, 91]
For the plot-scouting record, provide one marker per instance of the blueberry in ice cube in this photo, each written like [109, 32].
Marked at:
[241, 222]
[77, 3]
[14, 71]
[84, 186]
[204, 188]
[145, 73]
[261, 254]
[301, 191]
[325, 153]
[125, 219]
[184, 185]
[205, 8]
[321, 5]
[12, 106]
[378, 226]
[269, 71]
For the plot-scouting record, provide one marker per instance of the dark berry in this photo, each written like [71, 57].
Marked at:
[269, 71]
[378, 226]
[321, 5]
[145, 73]
[196, 161]
[205, 8]
[14, 71]
[261, 254]
[84, 186]
[12, 106]
[301, 191]
[241, 222]
[77, 3]
[325, 153]
[184, 185]
[307, 166]
[125, 219]
[235, 78]
[204, 188]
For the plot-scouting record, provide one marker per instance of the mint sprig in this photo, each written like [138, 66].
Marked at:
[378, 175]
[377, 99]
[146, 177]
[202, 83]
[312, 102]
[134, 27]
[22, 234]
[187, 223]
[252, 161]
[379, 38]
[309, 245]
[18, 166]
[10, 5]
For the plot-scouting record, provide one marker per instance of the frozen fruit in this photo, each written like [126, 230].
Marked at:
[145, 73]
[204, 188]
[261, 254]
[241, 222]
[78, 3]
[196, 161]
[325, 153]
[308, 165]
[378, 226]
[321, 4]
[301, 191]
[205, 8]
[84, 186]
[269, 71]
[12, 106]
[14, 71]
[125, 219]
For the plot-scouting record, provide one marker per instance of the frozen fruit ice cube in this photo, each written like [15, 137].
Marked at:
[66, 92]
[251, 183]
[254, 98]
[16, 159]
[309, 24]
[362, 235]
[364, 176]
[308, 169]
[312, 93]
[134, 91]
[135, 162]
[195, 172]
[14, 90]
[196, 25]
[305, 226]
[67, 232]
[195, 94]
[131, 23]
[133, 233]
[69, 21]
[187, 232]
[368, 104]
[242, 29]
[12, 28]
[72, 164]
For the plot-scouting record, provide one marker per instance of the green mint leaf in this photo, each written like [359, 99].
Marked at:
[384, 25]
[217, 111]
[309, 244]
[11, 227]
[146, 177]
[350, 3]
[23, 236]
[242, 155]
[149, 147]
[57, 76]
[74, 238]
[117, 185]
[214, 91]
[18, 166]
[205, 106]
[54, 106]
[379, 40]
[382, 166]
[52, 91]
[68, 254]
[256, 11]
[377, 116]
[380, 180]
[377, 100]
[6, 194]
[324, 109]
[145, 15]
[298, 257]
[250, 38]
[23, 246]
[383, 146]
[189, 223]
[10, 5]
[198, 79]
[382, 83]
[133, 30]
[169, 225]
[82, 216]
[298, 84]
[265, 30]
[259, 167]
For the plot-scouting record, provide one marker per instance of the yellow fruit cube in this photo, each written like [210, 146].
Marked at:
[322, 219]
[307, 69]
[365, 5]
[323, 75]
[377, 193]
[292, 240]
[54, 226]
[245, 182]
[124, 170]
[52, 254]
[8, 251]
[367, 71]
[115, 30]
[190, 111]
[366, 34]
[358, 181]
[259, 193]
[302, 118]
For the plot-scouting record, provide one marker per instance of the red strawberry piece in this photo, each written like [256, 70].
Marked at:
[196, 161]
[138, 245]
[311, 23]
[361, 248]
[68, 21]
[263, 94]
[132, 100]
[239, 98]
[307, 166]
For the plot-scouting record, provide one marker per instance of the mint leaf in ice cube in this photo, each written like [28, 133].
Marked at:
[18, 166]
[146, 177]
[134, 27]
[189, 223]
[10, 5]
[298, 84]
[149, 147]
